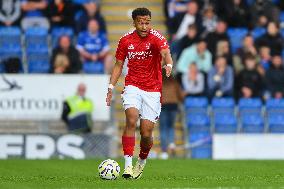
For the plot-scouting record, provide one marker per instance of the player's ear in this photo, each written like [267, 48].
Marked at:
[133, 23]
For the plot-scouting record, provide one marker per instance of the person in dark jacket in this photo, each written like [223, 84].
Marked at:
[61, 13]
[249, 82]
[271, 39]
[275, 77]
[91, 11]
[65, 58]
[218, 35]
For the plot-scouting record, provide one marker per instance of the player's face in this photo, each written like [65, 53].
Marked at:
[142, 25]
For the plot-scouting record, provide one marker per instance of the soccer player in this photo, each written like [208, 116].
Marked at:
[146, 50]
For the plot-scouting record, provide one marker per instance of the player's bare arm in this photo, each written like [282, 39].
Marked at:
[167, 60]
[116, 72]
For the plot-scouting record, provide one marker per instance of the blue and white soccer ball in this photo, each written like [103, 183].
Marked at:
[109, 169]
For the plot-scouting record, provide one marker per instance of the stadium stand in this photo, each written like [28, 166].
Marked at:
[222, 115]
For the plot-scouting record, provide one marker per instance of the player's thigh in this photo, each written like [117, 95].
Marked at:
[131, 98]
[132, 101]
[151, 106]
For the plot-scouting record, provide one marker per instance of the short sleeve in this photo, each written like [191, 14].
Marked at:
[121, 50]
[162, 43]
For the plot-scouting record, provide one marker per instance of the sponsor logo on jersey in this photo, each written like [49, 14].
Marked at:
[139, 55]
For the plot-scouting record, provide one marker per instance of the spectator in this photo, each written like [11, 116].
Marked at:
[248, 48]
[171, 96]
[77, 111]
[214, 37]
[65, 58]
[10, 12]
[272, 39]
[265, 9]
[93, 46]
[220, 79]
[265, 57]
[249, 81]
[193, 81]
[237, 13]
[275, 77]
[34, 14]
[90, 12]
[180, 23]
[197, 53]
[209, 20]
[174, 7]
[223, 49]
[189, 39]
[61, 13]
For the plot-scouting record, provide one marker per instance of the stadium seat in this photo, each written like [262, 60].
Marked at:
[281, 17]
[93, 68]
[236, 36]
[252, 123]
[9, 37]
[225, 123]
[36, 38]
[274, 106]
[257, 32]
[282, 32]
[38, 62]
[196, 104]
[200, 145]
[250, 105]
[57, 32]
[276, 123]
[10, 52]
[225, 104]
[198, 122]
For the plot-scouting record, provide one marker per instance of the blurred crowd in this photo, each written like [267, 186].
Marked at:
[228, 48]
[79, 18]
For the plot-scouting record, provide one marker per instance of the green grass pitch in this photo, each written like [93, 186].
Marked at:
[175, 173]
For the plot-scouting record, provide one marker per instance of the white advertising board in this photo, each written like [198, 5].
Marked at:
[248, 146]
[41, 96]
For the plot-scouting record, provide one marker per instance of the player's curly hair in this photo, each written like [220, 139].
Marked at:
[140, 12]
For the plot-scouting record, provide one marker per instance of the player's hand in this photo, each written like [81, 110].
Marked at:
[109, 97]
[168, 70]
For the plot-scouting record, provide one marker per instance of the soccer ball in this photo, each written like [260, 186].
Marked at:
[109, 169]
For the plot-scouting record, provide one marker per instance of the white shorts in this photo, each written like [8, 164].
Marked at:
[147, 103]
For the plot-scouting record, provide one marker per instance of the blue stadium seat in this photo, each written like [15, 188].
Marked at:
[10, 36]
[225, 123]
[198, 122]
[281, 16]
[250, 105]
[252, 123]
[282, 32]
[57, 32]
[38, 62]
[93, 68]
[10, 52]
[224, 104]
[80, 2]
[236, 36]
[257, 32]
[196, 104]
[201, 145]
[276, 123]
[36, 38]
[274, 106]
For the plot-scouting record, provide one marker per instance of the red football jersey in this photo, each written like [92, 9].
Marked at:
[144, 59]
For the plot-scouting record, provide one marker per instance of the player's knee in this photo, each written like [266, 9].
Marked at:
[146, 132]
[131, 123]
